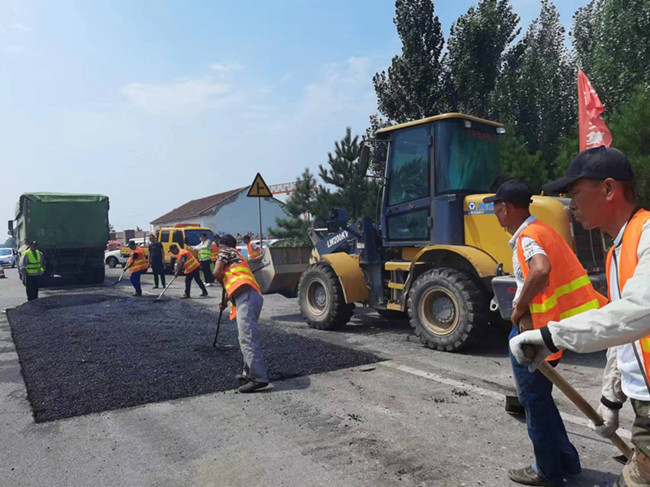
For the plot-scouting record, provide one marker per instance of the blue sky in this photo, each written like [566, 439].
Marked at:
[155, 103]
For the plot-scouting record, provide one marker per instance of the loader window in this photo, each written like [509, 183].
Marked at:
[408, 171]
[409, 226]
[466, 158]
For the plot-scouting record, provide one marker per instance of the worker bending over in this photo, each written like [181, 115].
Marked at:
[244, 292]
[137, 265]
[188, 264]
[544, 266]
[600, 182]
[31, 267]
[254, 251]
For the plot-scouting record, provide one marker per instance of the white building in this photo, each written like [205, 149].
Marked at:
[229, 212]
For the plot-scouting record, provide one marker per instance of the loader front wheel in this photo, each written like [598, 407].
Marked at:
[321, 299]
[446, 308]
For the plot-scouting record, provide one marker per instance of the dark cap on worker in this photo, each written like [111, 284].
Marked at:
[228, 240]
[512, 191]
[33, 242]
[598, 163]
[131, 243]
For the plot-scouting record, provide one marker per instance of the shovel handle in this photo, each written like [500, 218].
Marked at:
[556, 378]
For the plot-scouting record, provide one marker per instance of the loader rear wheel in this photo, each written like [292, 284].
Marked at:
[447, 307]
[322, 304]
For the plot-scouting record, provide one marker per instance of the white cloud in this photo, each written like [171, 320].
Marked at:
[190, 95]
[226, 68]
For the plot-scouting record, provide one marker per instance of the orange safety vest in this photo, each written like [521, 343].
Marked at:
[569, 291]
[191, 263]
[626, 268]
[137, 262]
[215, 252]
[236, 276]
[254, 253]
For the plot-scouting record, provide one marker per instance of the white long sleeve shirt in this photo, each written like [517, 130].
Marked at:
[619, 324]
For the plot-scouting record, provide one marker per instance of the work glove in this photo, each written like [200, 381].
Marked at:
[534, 339]
[610, 424]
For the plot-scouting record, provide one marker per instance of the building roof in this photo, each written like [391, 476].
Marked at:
[195, 208]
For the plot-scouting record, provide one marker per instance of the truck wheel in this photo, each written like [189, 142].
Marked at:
[446, 308]
[321, 299]
[112, 262]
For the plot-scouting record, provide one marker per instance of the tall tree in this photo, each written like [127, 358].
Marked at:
[536, 91]
[353, 191]
[477, 42]
[612, 42]
[301, 206]
[412, 87]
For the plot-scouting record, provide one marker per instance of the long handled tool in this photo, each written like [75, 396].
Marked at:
[121, 275]
[223, 301]
[554, 376]
[166, 287]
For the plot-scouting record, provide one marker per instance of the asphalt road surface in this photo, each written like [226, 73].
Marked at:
[414, 417]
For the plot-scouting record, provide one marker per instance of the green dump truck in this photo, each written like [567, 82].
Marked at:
[70, 229]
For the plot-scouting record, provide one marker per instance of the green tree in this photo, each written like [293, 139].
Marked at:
[476, 46]
[300, 207]
[10, 242]
[353, 192]
[378, 148]
[412, 87]
[612, 44]
[536, 91]
[518, 162]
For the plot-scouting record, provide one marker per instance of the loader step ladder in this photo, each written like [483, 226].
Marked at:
[399, 271]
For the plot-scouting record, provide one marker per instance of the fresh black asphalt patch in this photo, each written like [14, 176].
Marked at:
[92, 352]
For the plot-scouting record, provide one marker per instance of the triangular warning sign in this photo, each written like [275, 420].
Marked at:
[259, 189]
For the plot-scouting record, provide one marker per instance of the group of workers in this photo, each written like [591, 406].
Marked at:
[556, 308]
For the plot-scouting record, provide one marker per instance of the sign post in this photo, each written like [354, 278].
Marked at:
[259, 189]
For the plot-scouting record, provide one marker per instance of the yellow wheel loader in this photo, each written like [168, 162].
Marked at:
[438, 254]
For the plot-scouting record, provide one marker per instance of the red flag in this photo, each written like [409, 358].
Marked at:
[592, 129]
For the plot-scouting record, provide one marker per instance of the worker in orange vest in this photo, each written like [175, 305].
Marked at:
[137, 265]
[214, 250]
[544, 266]
[600, 182]
[187, 264]
[254, 252]
[245, 294]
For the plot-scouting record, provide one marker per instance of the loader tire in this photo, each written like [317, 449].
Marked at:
[447, 309]
[321, 300]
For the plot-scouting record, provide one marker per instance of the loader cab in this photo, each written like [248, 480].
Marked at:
[432, 164]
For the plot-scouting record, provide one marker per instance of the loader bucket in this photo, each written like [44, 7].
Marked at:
[280, 268]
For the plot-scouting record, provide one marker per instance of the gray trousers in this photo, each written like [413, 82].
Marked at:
[249, 305]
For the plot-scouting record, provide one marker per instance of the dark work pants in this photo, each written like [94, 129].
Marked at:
[207, 272]
[32, 287]
[158, 270]
[188, 281]
[555, 456]
[135, 280]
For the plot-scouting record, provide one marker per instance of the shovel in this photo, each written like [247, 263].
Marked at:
[166, 287]
[554, 376]
[223, 299]
[121, 276]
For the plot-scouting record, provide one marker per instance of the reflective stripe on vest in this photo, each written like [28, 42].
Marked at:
[34, 265]
[215, 252]
[236, 276]
[253, 253]
[191, 264]
[569, 291]
[626, 267]
[205, 252]
[137, 262]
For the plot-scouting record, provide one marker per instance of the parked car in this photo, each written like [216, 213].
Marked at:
[114, 257]
[8, 257]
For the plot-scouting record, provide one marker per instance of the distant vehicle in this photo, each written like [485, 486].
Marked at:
[243, 249]
[71, 230]
[8, 257]
[115, 258]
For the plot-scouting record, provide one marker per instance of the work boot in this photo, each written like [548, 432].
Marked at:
[155, 287]
[185, 296]
[204, 293]
[207, 284]
[242, 377]
[137, 294]
[252, 386]
[528, 476]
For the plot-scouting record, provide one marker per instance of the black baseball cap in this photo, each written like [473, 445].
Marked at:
[598, 163]
[228, 240]
[512, 191]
